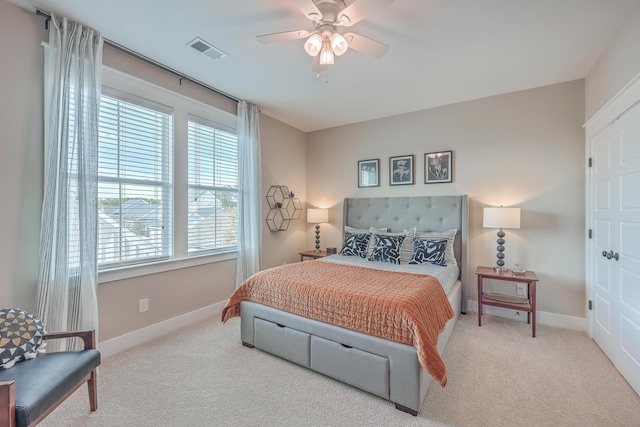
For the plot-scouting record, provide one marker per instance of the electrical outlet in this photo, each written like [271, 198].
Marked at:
[143, 305]
[522, 290]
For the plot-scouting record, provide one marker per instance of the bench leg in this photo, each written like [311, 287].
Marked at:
[93, 391]
[7, 404]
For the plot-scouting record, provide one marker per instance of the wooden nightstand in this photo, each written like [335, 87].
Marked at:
[313, 255]
[528, 304]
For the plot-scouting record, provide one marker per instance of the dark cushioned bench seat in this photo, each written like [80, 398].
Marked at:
[41, 384]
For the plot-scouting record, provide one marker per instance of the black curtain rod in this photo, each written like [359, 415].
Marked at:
[149, 61]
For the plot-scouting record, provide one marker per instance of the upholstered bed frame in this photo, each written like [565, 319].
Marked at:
[385, 368]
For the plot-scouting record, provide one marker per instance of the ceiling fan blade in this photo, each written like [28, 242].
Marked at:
[309, 8]
[366, 45]
[360, 9]
[316, 67]
[281, 37]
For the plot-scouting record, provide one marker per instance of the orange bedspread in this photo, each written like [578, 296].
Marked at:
[406, 308]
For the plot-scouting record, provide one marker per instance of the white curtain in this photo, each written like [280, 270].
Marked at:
[249, 197]
[68, 238]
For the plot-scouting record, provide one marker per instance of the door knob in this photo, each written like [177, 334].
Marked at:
[611, 254]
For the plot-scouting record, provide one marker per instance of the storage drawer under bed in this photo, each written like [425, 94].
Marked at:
[282, 341]
[364, 370]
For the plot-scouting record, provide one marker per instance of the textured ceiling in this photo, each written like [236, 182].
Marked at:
[441, 51]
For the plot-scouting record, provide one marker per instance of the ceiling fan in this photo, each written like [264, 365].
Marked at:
[326, 41]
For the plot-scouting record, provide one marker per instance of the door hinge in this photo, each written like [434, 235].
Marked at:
[590, 233]
[590, 305]
[590, 162]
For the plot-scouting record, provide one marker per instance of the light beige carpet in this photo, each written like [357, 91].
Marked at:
[498, 376]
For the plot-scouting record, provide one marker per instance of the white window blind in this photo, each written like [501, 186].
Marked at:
[213, 186]
[135, 180]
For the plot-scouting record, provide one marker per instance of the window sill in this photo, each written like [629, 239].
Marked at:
[162, 266]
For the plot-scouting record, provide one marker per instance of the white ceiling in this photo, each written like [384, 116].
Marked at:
[441, 51]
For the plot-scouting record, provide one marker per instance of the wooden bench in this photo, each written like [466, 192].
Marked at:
[32, 389]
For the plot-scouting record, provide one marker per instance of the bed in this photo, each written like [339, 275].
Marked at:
[392, 370]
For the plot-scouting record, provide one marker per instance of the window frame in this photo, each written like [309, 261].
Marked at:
[165, 184]
[216, 127]
[183, 106]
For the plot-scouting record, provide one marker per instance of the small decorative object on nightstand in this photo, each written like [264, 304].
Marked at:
[507, 301]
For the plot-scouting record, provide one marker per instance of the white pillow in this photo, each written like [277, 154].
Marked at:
[450, 235]
[363, 230]
[406, 250]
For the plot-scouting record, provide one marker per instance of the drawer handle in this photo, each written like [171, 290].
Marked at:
[346, 346]
[280, 326]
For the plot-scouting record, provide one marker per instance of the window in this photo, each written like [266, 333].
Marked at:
[135, 180]
[213, 186]
[167, 179]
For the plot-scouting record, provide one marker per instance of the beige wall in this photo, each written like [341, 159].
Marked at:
[170, 293]
[523, 149]
[616, 67]
[284, 162]
[21, 154]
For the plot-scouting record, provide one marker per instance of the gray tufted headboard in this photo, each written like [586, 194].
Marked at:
[427, 213]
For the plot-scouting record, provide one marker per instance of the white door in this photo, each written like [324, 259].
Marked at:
[615, 247]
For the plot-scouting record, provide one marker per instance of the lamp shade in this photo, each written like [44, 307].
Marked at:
[317, 216]
[313, 44]
[326, 53]
[501, 218]
[338, 43]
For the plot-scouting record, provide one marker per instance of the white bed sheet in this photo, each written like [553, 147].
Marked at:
[447, 276]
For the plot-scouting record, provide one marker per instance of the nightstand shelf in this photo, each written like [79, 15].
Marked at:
[527, 305]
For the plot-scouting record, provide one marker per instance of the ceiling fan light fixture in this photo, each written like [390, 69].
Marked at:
[326, 54]
[338, 43]
[313, 45]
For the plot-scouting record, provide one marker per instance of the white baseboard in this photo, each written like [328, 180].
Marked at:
[135, 338]
[542, 318]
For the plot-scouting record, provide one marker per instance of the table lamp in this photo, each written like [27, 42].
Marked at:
[317, 216]
[501, 218]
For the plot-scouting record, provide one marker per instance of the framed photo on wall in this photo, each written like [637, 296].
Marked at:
[438, 167]
[369, 173]
[401, 170]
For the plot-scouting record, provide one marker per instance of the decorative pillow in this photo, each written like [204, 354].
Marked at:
[450, 235]
[369, 230]
[20, 336]
[406, 250]
[386, 248]
[355, 244]
[429, 251]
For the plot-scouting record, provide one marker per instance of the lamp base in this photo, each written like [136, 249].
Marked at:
[317, 239]
[500, 255]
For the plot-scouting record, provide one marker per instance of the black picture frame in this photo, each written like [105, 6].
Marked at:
[438, 167]
[401, 170]
[369, 173]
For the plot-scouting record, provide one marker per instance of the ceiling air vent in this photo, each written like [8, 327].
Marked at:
[206, 48]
